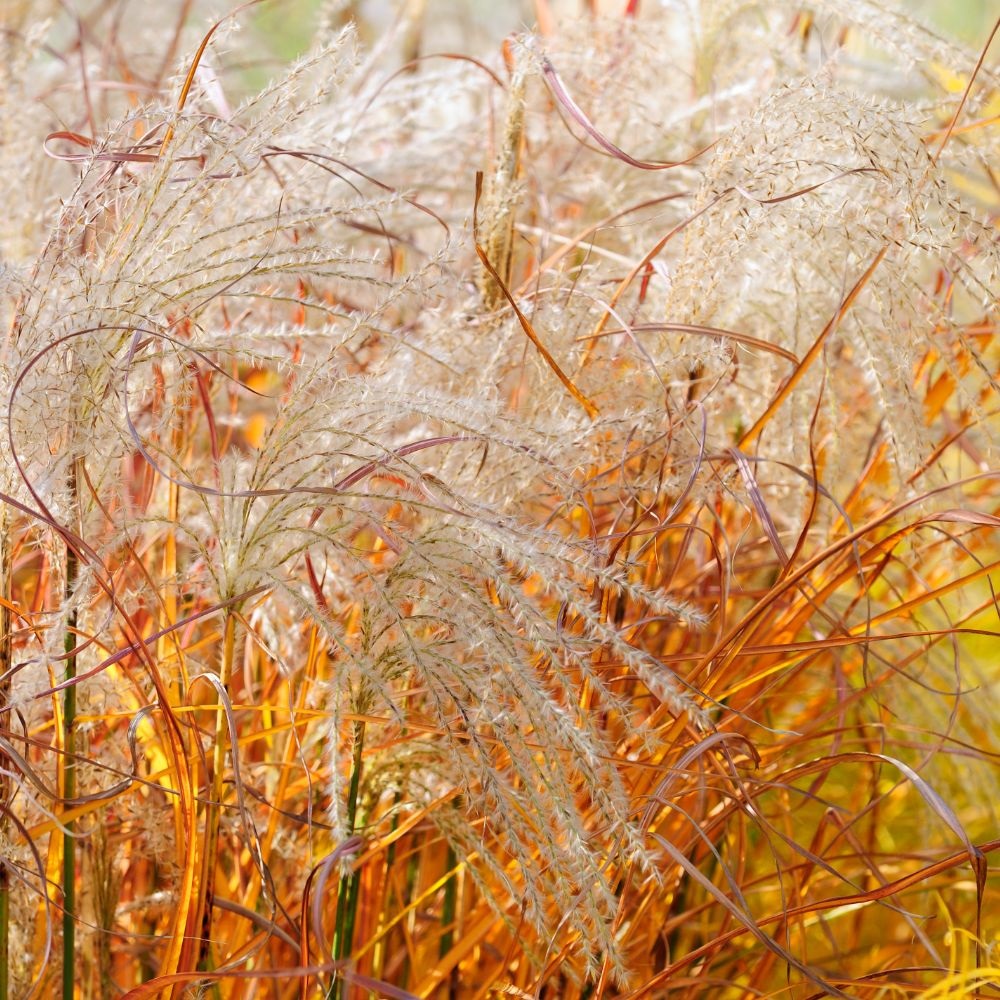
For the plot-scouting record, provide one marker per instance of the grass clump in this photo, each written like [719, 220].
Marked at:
[514, 523]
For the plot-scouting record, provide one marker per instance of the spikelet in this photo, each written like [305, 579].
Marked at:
[498, 211]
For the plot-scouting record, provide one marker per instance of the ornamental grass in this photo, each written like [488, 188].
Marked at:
[515, 521]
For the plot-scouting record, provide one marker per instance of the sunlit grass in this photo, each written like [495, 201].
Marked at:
[509, 523]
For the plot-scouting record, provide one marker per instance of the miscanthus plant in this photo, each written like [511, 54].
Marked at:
[499, 523]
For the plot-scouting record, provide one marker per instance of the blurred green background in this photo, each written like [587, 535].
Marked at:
[969, 20]
[285, 26]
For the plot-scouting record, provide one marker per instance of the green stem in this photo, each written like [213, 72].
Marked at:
[347, 895]
[69, 787]
[412, 876]
[379, 950]
[448, 906]
[5, 783]
[213, 811]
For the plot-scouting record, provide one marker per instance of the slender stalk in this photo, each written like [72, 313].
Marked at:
[4, 932]
[69, 779]
[448, 905]
[347, 895]
[168, 567]
[449, 911]
[213, 810]
[5, 783]
[379, 951]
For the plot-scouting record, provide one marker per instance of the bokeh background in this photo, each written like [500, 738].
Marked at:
[476, 24]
